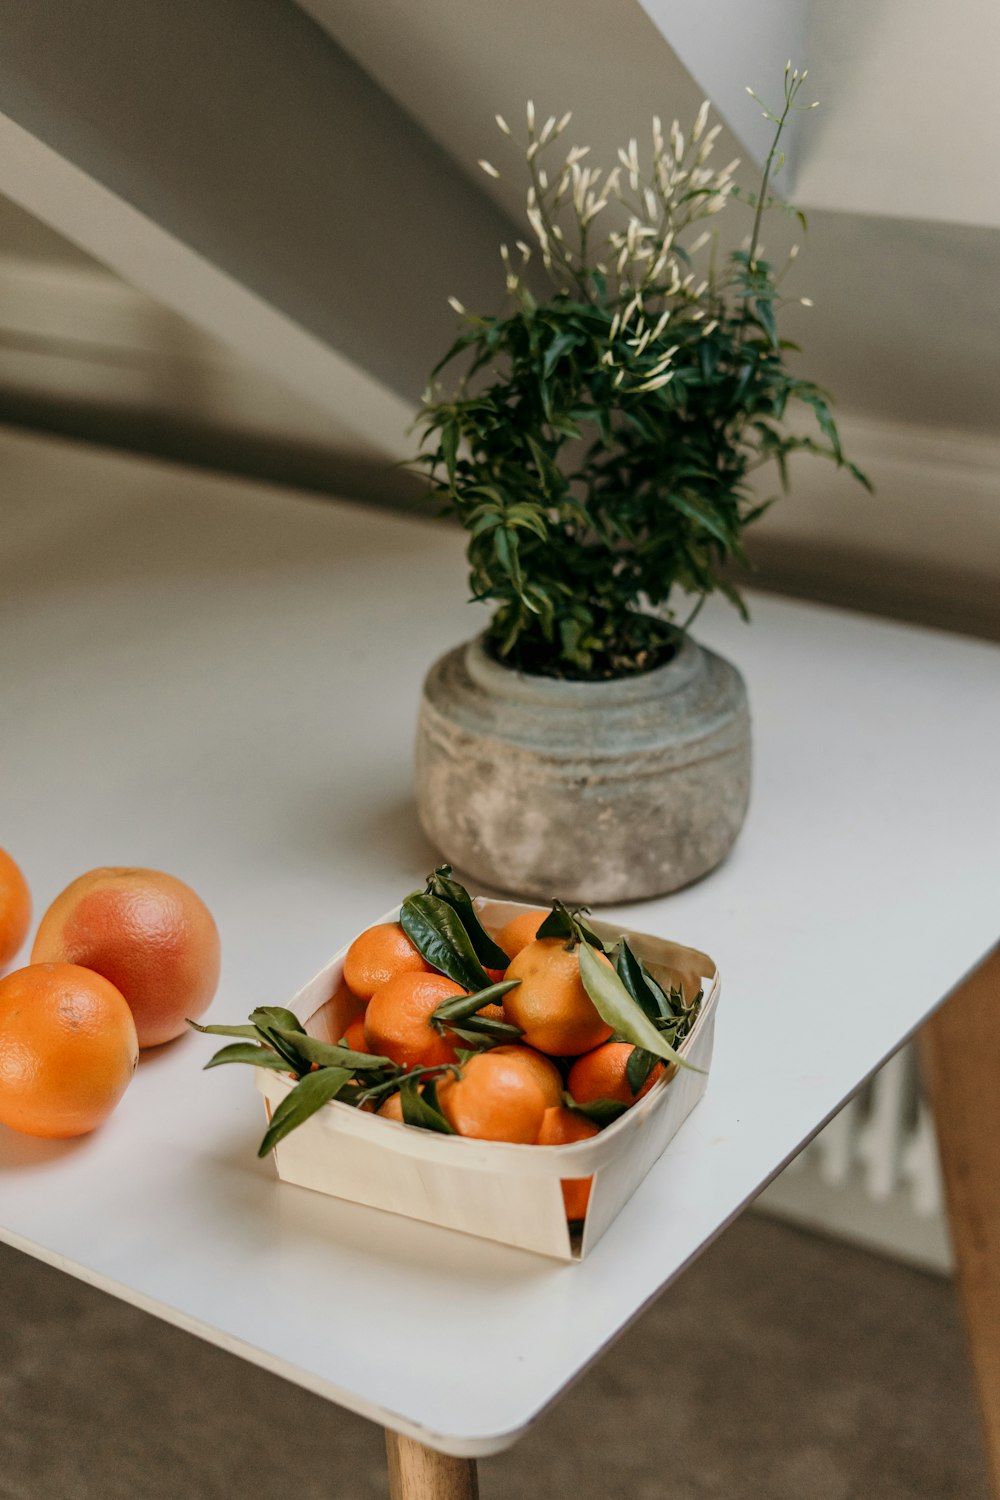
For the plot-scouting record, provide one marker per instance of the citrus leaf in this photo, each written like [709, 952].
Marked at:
[315, 1090]
[641, 985]
[246, 1052]
[329, 1055]
[567, 922]
[423, 1110]
[277, 1015]
[249, 1032]
[638, 1068]
[270, 1026]
[477, 1026]
[615, 1005]
[488, 952]
[600, 1111]
[462, 1006]
[558, 924]
[437, 932]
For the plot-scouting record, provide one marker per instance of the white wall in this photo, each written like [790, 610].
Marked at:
[910, 123]
[728, 45]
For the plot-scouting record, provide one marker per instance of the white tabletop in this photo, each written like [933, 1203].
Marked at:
[220, 680]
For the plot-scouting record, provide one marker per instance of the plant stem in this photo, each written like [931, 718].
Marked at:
[790, 93]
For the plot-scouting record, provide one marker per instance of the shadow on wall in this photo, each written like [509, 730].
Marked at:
[853, 578]
[204, 445]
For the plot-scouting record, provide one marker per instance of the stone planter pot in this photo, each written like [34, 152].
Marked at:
[590, 792]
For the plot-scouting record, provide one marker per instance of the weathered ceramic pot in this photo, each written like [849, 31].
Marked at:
[589, 791]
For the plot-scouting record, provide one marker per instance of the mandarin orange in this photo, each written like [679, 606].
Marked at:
[550, 1004]
[492, 1013]
[540, 1067]
[398, 1020]
[496, 1099]
[392, 1108]
[601, 1075]
[68, 1049]
[377, 955]
[562, 1127]
[520, 931]
[354, 1035]
[15, 908]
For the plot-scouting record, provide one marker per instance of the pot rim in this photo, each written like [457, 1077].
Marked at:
[500, 681]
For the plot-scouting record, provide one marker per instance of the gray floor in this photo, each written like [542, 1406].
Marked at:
[781, 1367]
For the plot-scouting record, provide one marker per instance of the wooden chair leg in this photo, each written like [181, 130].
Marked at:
[419, 1473]
[961, 1059]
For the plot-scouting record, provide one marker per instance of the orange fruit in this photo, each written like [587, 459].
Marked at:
[148, 933]
[398, 1020]
[541, 1068]
[392, 1108]
[492, 1013]
[550, 1004]
[15, 908]
[496, 1099]
[601, 1075]
[561, 1127]
[354, 1036]
[378, 955]
[68, 1049]
[520, 931]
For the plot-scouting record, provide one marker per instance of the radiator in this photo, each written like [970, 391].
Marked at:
[871, 1176]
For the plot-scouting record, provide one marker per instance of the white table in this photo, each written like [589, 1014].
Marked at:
[220, 680]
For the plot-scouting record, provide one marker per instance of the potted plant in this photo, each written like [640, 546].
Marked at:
[599, 449]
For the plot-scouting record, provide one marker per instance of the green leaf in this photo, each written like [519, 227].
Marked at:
[315, 1090]
[765, 317]
[483, 1026]
[330, 1055]
[640, 984]
[246, 1052]
[271, 1021]
[488, 952]
[560, 345]
[567, 922]
[615, 1005]
[558, 924]
[638, 1068]
[683, 501]
[249, 1032]
[437, 932]
[462, 1006]
[449, 447]
[276, 1015]
[423, 1109]
[601, 1111]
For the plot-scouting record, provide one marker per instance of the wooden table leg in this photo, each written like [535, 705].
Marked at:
[419, 1473]
[961, 1057]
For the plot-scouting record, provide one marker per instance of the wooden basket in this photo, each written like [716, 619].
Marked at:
[497, 1191]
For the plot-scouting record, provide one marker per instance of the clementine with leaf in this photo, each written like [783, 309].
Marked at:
[550, 1004]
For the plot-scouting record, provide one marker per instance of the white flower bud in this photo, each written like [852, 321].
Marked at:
[489, 169]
